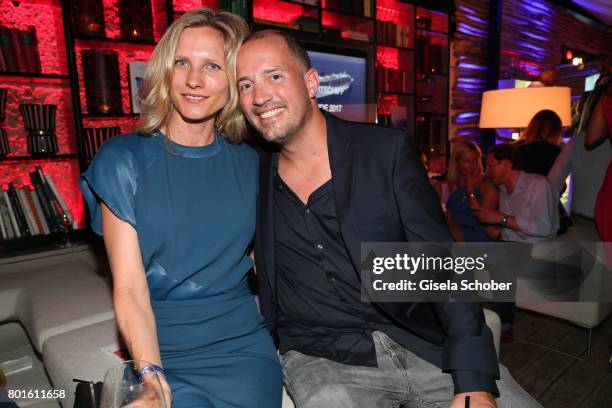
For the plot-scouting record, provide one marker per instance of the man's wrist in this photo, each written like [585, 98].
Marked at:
[503, 222]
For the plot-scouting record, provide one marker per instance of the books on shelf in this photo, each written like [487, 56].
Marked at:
[394, 80]
[19, 50]
[27, 211]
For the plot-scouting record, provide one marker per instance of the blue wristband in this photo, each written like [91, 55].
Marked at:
[150, 369]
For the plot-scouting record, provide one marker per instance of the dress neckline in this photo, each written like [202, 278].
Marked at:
[191, 152]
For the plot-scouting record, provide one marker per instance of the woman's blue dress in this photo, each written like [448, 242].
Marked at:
[458, 204]
[194, 211]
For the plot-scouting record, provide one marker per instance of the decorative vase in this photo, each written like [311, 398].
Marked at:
[102, 80]
[94, 137]
[39, 121]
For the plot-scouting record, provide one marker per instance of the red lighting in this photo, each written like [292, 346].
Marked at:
[569, 55]
[393, 10]
[30, 90]
[348, 23]
[46, 16]
[387, 57]
[187, 5]
[386, 103]
[280, 11]
[127, 124]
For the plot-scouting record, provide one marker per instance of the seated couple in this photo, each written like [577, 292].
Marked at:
[178, 204]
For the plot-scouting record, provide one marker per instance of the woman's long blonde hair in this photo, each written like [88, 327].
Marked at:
[458, 148]
[155, 90]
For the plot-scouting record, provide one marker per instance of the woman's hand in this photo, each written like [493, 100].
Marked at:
[166, 389]
[154, 393]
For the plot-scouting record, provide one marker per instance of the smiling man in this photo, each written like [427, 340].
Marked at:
[331, 185]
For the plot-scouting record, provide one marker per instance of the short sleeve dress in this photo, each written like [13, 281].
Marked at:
[194, 211]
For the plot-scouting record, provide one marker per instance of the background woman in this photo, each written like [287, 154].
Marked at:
[176, 206]
[539, 144]
[469, 188]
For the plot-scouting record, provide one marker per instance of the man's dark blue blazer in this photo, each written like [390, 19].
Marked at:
[382, 195]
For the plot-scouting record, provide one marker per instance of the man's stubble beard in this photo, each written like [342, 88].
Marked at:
[292, 132]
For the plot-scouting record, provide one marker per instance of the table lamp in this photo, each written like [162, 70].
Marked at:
[514, 107]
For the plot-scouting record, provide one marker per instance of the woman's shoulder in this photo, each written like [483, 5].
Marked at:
[130, 150]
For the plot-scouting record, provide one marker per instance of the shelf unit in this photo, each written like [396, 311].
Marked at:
[61, 83]
[392, 33]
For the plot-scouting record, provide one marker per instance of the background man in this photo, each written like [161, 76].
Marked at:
[527, 210]
[332, 185]
[527, 205]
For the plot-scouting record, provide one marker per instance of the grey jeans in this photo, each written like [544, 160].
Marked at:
[401, 380]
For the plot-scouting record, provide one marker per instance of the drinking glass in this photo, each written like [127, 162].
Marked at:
[123, 387]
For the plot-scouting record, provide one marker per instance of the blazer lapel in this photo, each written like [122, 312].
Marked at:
[341, 149]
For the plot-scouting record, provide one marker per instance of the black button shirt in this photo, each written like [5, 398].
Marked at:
[320, 312]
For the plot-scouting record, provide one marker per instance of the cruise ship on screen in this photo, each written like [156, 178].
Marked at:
[334, 84]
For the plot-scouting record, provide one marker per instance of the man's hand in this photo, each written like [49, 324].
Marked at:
[477, 400]
[486, 215]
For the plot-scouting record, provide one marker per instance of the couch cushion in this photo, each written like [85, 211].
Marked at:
[78, 354]
[63, 298]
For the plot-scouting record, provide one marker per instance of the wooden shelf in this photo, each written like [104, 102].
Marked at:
[399, 47]
[34, 75]
[434, 115]
[301, 4]
[41, 157]
[397, 93]
[37, 243]
[346, 13]
[116, 40]
[114, 115]
[423, 30]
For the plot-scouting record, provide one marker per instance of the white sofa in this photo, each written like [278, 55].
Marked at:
[65, 308]
[584, 314]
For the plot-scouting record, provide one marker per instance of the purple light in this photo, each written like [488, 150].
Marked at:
[533, 47]
[469, 86]
[471, 30]
[467, 9]
[467, 65]
[472, 80]
[538, 6]
[472, 91]
[467, 115]
[477, 19]
[538, 37]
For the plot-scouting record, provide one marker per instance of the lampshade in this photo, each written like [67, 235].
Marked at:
[514, 108]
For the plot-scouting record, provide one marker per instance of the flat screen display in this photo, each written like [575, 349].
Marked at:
[342, 89]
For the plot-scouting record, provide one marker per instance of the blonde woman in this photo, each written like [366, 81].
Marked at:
[176, 206]
[469, 189]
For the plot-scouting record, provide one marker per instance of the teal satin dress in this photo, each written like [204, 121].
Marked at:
[194, 211]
